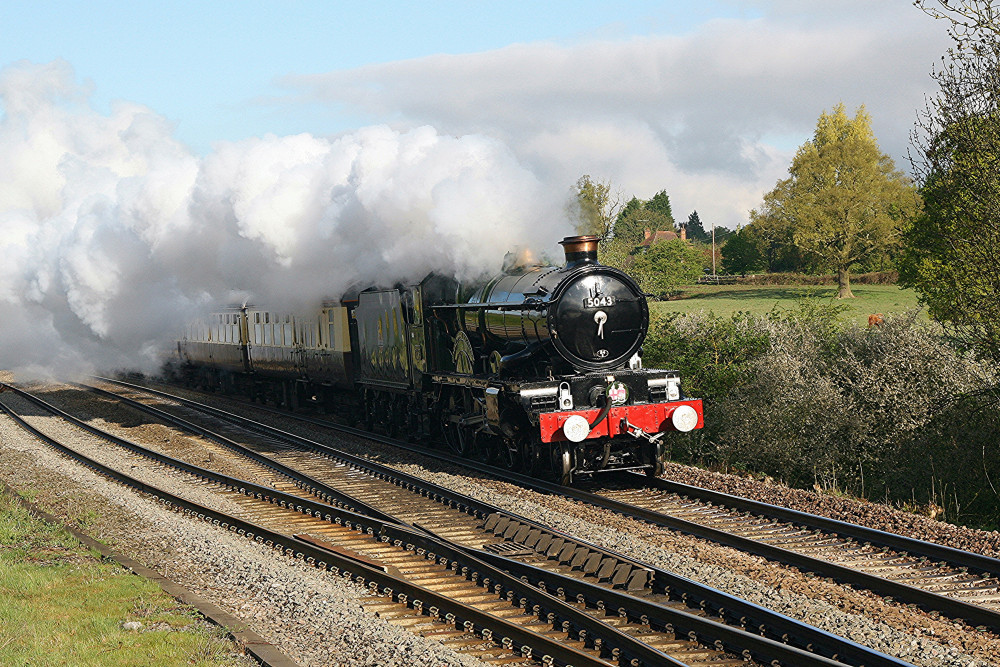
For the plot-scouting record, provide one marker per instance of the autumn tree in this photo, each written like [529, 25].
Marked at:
[952, 255]
[844, 200]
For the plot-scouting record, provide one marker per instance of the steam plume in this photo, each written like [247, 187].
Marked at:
[113, 234]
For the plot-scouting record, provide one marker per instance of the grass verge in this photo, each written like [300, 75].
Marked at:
[724, 300]
[60, 604]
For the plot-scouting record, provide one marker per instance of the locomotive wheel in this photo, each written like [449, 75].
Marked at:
[405, 417]
[505, 448]
[562, 463]
[411, 421]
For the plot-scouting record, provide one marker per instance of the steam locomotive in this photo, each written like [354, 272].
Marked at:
[537, 369]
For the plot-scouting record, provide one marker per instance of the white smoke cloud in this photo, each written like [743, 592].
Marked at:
[113, 234]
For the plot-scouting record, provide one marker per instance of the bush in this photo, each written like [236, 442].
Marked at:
[885, 412]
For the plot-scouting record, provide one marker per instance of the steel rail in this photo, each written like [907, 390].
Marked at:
[625, 649]
[735, 610]
[304, 481]
[938, 552]
[951, 607]
[948, 606]
[656, 615]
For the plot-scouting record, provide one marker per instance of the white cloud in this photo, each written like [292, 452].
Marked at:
[713, 116]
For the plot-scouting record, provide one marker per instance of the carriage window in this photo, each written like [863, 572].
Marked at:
[288, 335]
[256, 334]
[267, 332]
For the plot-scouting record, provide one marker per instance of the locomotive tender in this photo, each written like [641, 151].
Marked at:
[538, 368]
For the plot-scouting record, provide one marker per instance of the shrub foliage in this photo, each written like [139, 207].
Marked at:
[890, 412]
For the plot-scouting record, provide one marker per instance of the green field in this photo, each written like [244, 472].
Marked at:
[724, 300]
[61, 604]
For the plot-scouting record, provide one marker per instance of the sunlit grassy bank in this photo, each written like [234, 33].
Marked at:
[60, 604]
[724, 300]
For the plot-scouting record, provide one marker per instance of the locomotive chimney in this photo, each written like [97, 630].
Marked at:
[580, 249]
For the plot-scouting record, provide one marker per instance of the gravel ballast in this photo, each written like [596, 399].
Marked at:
[861, 616]
[313, 616]
[857, 615]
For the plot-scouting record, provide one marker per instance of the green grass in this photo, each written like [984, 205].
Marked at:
[60, 604]
[724, 300]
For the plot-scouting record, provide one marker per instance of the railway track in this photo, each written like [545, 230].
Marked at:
[416, 581]
[958, 584]
[693, 624]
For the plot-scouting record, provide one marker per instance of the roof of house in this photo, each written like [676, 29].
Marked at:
[656, 237]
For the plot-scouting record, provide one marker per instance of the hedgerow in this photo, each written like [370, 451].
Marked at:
[891, 411]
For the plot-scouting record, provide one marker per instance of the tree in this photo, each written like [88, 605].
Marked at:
[594, 207]
[744, 252]
[631, 227]
[660, 203]
[663, 267]
[637, 216]
[952, 254]
[631, 206]
[695, 230]
[844, 200]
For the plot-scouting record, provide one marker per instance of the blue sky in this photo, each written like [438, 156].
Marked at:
[209, 66]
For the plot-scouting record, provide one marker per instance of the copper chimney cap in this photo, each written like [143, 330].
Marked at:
[580, 249]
